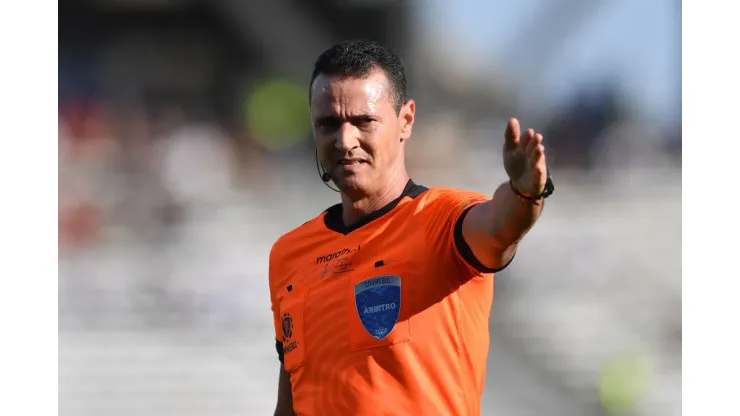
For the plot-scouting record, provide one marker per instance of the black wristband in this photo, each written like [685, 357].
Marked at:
[549, 189]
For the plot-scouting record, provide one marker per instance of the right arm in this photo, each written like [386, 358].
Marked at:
[285, 395]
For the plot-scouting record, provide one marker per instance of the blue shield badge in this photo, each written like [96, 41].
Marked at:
[378, 303]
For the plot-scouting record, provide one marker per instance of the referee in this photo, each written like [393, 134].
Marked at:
[381, 303]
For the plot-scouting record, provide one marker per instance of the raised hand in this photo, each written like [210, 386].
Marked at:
[524, 159]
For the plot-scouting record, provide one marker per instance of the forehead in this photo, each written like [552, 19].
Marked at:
[333, 94]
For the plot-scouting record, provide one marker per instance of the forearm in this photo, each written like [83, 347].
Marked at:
[511, 216]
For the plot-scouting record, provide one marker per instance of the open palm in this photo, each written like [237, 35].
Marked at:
[524, 159]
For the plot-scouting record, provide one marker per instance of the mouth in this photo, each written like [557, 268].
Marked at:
[350, 166]
[350, 162]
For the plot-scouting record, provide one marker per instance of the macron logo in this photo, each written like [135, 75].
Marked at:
[331, 256]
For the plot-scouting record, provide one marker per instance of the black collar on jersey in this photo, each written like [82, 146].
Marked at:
[333, 217]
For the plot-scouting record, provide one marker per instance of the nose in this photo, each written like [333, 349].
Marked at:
[347, 138]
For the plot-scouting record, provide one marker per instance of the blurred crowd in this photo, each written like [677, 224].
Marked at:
[168, 209]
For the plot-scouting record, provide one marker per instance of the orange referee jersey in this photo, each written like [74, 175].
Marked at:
[388, 316]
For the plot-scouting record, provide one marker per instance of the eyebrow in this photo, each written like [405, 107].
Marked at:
[337, 119]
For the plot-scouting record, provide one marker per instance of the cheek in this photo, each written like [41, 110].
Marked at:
[383, 147]
[324, 147]
[319, 137]
[371, 142]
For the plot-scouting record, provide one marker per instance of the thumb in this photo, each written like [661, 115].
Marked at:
[512, 134]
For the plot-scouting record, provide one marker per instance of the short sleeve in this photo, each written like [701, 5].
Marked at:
[447, 209]
[274, 303]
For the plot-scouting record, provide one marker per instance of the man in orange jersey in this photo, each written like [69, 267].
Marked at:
[381, 303]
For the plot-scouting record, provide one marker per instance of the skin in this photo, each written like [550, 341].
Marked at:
[494, 228]
[354, 120]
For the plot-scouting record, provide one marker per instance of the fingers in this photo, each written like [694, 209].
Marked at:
[526, 140]
[536, 153]
[512, 134]
[533, 142]
[529, 142]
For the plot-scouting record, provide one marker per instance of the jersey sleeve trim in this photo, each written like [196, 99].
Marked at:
[279, 348]
[467, 253]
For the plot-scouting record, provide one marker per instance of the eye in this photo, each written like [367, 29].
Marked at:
[328, 124]
[363, 122]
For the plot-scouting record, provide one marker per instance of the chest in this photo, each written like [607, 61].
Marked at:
[359, 294]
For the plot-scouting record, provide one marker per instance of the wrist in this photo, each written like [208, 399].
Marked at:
[524, 197]
[525, 194]
[534, 198]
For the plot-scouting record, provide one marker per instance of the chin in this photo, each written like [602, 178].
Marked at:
[352, 184]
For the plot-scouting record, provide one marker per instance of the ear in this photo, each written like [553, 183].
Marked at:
[406, 116]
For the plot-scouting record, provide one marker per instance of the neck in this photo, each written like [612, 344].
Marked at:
[354, 209]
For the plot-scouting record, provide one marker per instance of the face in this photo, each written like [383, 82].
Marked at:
[358, 133]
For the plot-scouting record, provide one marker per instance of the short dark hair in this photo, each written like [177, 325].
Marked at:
[357, 59]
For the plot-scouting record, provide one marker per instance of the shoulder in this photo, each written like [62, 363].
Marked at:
[297, 240]
[450, 199]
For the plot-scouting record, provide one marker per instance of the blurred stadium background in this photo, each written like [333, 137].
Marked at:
[185, 151]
